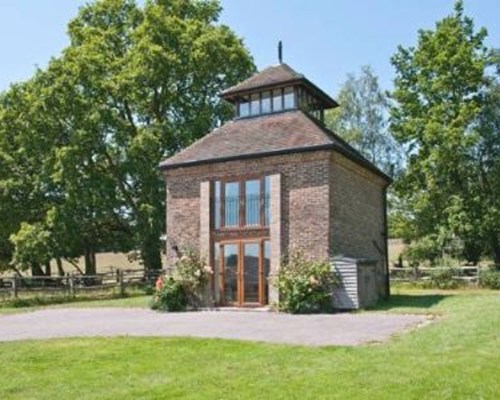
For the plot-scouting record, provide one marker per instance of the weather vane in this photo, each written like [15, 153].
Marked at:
[280, 52]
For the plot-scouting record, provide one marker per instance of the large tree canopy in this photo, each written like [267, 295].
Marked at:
[439, 114]
[84, 137]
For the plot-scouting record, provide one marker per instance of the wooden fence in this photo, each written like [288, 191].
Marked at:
[74, 284]
[466, 274]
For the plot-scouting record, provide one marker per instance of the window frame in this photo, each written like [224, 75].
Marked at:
[274, 92]
[264, 221]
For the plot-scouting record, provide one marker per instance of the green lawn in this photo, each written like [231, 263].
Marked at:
[131, 301]
[455, 357]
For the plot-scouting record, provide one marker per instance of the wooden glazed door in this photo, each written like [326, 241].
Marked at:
[244, 270]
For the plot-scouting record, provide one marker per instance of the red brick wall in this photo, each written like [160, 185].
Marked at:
[357, 213]
[305, 197]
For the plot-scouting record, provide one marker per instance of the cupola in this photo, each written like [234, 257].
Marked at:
[276, 89]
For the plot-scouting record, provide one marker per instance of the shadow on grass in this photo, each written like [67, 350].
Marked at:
[410, 301]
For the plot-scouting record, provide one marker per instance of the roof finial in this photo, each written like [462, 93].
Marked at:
[280, 52]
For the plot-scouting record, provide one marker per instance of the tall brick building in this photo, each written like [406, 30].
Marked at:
[271, 180]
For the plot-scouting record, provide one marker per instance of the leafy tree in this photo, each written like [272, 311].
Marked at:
[483, 203]
[362, 120]
[153, 76]
[439, 98]
[135, 85]
[24, 193]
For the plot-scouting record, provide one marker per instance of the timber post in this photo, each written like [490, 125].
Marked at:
[71, 284]
[15, 287]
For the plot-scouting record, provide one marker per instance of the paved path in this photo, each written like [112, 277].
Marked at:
[316, 330]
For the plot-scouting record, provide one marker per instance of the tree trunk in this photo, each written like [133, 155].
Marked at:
[48, 270]
[60, 269]
[90, 262]
[151, 253]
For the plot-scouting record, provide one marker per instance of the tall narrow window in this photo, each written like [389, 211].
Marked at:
[267, 203]
[217, 271]
[252, 202]
[255, 104]
[217, 204]
[277, 100]
[267, 269]
[231, 256]
[251, 279]
[288, 98]
[244, 107]
[265, 103]
[232, 204]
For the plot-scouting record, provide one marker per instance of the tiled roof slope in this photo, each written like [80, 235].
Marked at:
[269, 76]
[289, 131]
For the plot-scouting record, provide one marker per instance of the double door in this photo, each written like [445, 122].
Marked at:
[244, 272]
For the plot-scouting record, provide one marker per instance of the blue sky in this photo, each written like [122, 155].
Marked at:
[324, 39]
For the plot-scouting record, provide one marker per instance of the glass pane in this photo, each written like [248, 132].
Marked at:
[277, 100]
[267, 198]
[244, 108]
[302, 98]
[289, 98]
[217, 272]
[255, 104]
[232, 204]
[217, 204]
[252, 202]
[230, 273]
[251, 273]
[267, 268]
[266, 102]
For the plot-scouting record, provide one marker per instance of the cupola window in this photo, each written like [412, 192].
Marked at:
[244, 108]
[277, 100]
[288, 98]
[255, 104]
[265, 102]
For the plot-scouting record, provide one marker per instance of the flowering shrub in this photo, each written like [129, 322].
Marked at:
[170, 295]
[305, 286]
[184, 287]
[192, 271]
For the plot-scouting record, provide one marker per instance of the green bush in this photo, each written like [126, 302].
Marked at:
[442, 279]
[423, 250]
[183, 289]
[490, 279]
[171, 296]
[305, 286]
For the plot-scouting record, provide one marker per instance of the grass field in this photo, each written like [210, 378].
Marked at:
[130, 301]
[455, 357]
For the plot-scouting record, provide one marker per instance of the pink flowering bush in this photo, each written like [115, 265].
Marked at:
[305, 286]
[184, 287]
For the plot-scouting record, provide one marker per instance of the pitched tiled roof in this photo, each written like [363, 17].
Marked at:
[290, 131]
[269, 76]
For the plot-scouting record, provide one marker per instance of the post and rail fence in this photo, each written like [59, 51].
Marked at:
[73, 284]
[465, 274]
[118, 281]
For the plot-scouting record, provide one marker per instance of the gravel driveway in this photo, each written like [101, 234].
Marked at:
[316, 330]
